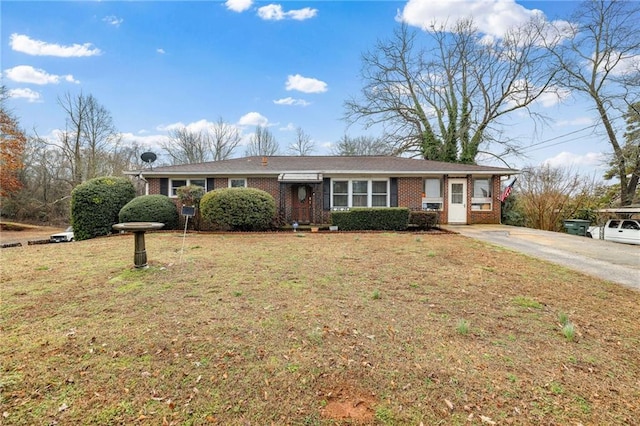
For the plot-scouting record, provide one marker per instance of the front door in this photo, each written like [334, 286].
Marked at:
[457, 201]
[301, 200]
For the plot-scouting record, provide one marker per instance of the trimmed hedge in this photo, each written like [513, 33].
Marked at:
[95, 205]
[423, 220]
[372, 219]
[239, 209]
[151, 208]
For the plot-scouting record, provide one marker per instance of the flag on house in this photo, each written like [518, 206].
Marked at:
[507, 191]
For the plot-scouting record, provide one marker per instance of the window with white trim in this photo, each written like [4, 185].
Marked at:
[237, 183]
[347, 193]
[481, 197]
[177, 183]
[432, 199]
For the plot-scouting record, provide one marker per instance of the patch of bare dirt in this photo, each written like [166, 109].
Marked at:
[347, 402]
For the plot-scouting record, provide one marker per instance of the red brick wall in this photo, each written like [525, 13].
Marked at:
[410, 191]
[270, 185]
[154, 185]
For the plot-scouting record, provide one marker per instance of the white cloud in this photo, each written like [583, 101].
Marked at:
[302, 14]
[160, 51]
[151, 142]
[288, 128]
[28, 74]
[620, 64]
[291, 101]
[238, 5]
[579, 121]
[24, 44]
[28, 94]
[492, 17]
[305, 84]
[253, 119]
[168, 127]
[551, 97]
[569, 159]
[274, 12]
[113, 20]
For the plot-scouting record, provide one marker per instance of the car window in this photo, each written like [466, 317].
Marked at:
[614, 223]
[630, 224]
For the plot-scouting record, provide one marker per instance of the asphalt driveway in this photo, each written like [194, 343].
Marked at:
[619, 263]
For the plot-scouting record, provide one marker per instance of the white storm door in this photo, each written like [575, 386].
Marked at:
[457, 201]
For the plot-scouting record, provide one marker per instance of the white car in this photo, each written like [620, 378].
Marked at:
[63, 237]
[619, 230]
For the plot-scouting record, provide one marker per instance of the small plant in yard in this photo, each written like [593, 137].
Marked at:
[463, 326]
[556, 388]
[375, 295]
[384, 415]
[431, 253]
[569, 331]
[563, 318]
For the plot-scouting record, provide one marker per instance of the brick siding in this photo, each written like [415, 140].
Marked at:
[410, 191]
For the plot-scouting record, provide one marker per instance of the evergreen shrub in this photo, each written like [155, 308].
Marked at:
[239, 209]
[372, 219]
[151, 208]
[95, 205]
[423, 220]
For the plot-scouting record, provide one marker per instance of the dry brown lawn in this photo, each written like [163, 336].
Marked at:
[311, 329]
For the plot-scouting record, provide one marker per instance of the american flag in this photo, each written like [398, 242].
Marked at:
[507, 191]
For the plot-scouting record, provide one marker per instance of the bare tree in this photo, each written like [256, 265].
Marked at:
[187, 146]
[631, 152]
[46, 183]
[444, 103]
[223, 138]
[361, 145]
[89, 132]
[262, 143]
[303, 145]
[598, 53]
[547, 195]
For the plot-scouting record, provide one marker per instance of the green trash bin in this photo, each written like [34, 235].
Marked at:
[577, 227]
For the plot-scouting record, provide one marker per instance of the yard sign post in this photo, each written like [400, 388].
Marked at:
[187, 212]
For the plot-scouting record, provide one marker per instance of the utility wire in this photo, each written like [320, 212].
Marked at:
[538, 145]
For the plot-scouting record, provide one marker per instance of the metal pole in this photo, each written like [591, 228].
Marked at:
[184, 236]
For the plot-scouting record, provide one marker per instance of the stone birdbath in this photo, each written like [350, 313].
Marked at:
[139, 229]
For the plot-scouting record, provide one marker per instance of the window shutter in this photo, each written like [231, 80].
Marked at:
[326, 194]
[210, 185]
[164, 186]
[394, 192]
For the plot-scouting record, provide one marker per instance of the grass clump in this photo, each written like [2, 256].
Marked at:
[569, 331]
[462, 327]
[527, 302]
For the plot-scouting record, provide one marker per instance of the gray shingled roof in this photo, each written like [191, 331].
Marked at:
[326, 165]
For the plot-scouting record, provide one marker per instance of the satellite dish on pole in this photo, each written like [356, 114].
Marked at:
[148, 157]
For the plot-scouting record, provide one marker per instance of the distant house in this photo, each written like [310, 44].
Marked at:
[308, 188]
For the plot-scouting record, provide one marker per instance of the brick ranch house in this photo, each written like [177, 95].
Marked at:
[307, 188]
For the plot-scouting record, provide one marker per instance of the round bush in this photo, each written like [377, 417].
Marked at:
[95, 205]
[151, 208]
[239, 209]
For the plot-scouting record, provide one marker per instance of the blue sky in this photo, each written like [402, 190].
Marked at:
[156, 65]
